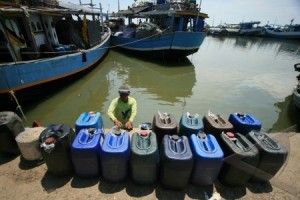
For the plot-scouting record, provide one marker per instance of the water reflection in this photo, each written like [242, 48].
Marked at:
[280, 46]
[288, 116]
[151, 84]
[168, 83]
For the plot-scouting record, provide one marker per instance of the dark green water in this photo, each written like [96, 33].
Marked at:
[232, 74]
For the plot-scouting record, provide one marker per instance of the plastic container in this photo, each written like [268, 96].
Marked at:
[28, 142]
[241, 159]
[85, 152]
[89, 120]
[272, 156]
[144, 159]
[215, 124]
[244, 123]
[10, 127]
[164, 124]
[114, 156]
[190, 124]
[176, 162]
[55, 144]
[208, 159]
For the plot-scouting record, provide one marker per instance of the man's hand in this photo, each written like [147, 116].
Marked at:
[118, 123]
[128, 125]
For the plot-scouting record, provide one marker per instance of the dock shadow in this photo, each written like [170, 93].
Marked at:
[199, 192]
[5, 158]
[138, 190]
[164, 193]
[264, 187]
[51, 182]
[110, 187]
[230, 192]
[78, 182]
[27, 165]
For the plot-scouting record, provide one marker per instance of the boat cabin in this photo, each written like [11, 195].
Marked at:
[29, 32]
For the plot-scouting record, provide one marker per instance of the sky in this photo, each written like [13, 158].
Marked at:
[279, 12]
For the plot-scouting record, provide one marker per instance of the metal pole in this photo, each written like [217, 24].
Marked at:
[101, 14]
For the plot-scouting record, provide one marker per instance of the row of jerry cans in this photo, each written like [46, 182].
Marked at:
[164, 123]
[249, 154]
[114, 156]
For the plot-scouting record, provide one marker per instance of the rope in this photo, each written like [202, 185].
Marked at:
[12, 93]
[14, 96]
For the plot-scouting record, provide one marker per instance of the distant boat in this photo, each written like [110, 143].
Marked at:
[250, 28]
[243, 28]
[164, 30]
[285, 32]
[43, 45]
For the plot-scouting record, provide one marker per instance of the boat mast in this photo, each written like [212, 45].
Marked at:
[101, 14]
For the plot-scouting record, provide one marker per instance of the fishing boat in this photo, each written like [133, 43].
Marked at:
[243, 28]
[296, 91]
[43, 45]
[162, 30]
[284, 32]
[250, 28]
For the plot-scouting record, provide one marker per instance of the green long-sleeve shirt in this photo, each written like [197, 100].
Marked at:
[118, 110]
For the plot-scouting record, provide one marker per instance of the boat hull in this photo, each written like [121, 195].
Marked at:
[166, 46]
[283, 35]
[29, 79]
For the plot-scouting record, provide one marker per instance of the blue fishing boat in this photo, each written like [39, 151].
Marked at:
[162, 30]
[283, 32]
[43, 45]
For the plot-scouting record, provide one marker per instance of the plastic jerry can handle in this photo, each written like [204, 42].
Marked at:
[86, 137]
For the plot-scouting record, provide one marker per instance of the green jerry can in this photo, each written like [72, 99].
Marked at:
[144, 159]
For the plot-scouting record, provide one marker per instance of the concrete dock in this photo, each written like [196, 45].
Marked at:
[19, 182]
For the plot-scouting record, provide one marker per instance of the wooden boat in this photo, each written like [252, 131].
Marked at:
[286, 32]
[165, 30]
[41, 46]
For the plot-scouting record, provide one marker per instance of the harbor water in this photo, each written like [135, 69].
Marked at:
[252, 75]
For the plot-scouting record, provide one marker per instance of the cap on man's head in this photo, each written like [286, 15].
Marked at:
[124, 90]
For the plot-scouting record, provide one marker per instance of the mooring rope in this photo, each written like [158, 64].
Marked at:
[12, 93]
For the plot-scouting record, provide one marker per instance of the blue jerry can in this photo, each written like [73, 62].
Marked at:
[190, 124]
[208, 159]
[244, 123]
[85, 153]
[89, 120]
[114, 156]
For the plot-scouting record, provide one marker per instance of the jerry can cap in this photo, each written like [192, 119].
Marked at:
[91, 113]
[50, 140]
[230, 134]
[144, 133]
[175, 137]
[201, 135]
